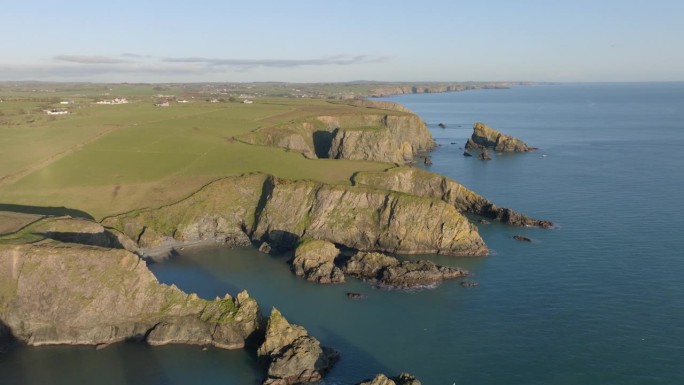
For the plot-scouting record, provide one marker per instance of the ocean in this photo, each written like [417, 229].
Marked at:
[597, 300]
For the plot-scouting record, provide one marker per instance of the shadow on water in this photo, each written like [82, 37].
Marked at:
[355, 364]
[192, 277]
[51, 211]
[7, 340]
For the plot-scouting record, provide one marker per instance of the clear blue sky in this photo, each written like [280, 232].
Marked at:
[301, 41]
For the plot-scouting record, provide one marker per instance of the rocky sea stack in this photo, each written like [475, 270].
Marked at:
[291, 355]
[486, 137]
[402, 379]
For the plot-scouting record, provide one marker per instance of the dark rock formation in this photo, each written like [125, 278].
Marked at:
[466, 153]
[428, 161]
[483, 222]
[486, 137]
[315, 261]
[387, 271]
[522, 238]
[292, 356]
[469, 284]
[484, 155]
[402, 379]
[355, 295]
[427, 184]
[441, 125]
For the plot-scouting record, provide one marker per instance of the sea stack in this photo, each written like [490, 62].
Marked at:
[487, 137]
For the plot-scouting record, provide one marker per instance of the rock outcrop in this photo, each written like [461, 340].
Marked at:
[386, 271]
[282, 212]
[485, 137]
[426, 184]
[67, 293]
[402, 379]
[315, 261]
[291, 355]
[394, 137]
[370, 144]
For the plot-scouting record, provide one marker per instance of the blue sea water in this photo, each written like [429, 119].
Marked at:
[597, 300]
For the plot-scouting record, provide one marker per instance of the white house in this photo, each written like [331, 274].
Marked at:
[56, 111]
[247, 101]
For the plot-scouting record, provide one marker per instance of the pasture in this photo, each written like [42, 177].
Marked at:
[108, 159]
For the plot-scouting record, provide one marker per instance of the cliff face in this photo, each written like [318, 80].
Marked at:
[426, 184]
[365, 219]
[67, 293]
[282, 212]
[434, 88]
[487, 137]
[378, 145]
[393, 138]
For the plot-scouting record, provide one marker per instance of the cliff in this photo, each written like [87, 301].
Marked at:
[282, 212]
[486, 137]
[426, 184]
[55, 292]
[400, 89]
[361, 135]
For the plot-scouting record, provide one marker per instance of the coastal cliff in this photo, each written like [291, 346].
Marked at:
[401, 89]
[68, 293]
[282, 212]
[426, 184]
[394, 137]
[484, 137]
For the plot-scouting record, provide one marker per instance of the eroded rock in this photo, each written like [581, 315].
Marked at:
[66, 293]
[484, 137]
[315, 261]
[388, 271]
[402, 379]
[292, 356]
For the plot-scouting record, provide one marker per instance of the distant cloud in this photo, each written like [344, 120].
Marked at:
[281, 63]
[131, 65]
[83, 59]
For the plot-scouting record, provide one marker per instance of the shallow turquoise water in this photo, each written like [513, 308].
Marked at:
[599, 300]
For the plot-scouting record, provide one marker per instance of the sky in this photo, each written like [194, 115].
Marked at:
[337, 41]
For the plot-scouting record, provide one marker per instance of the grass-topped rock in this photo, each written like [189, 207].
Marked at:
[486, 137]
[315, 261]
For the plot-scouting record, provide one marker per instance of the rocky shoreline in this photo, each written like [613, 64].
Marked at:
[79, 282]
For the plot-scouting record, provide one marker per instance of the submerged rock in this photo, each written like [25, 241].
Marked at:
[265, 248]
[402, 379]
[292, 356]
[388, 271]
[355, 295]
[441, 125]
[485, 137]
[522, 238]
[315, 261]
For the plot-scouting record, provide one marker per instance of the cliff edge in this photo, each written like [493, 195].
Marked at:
[427, 184]
[283, 212]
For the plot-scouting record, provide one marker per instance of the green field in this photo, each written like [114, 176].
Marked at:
[109, 159]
